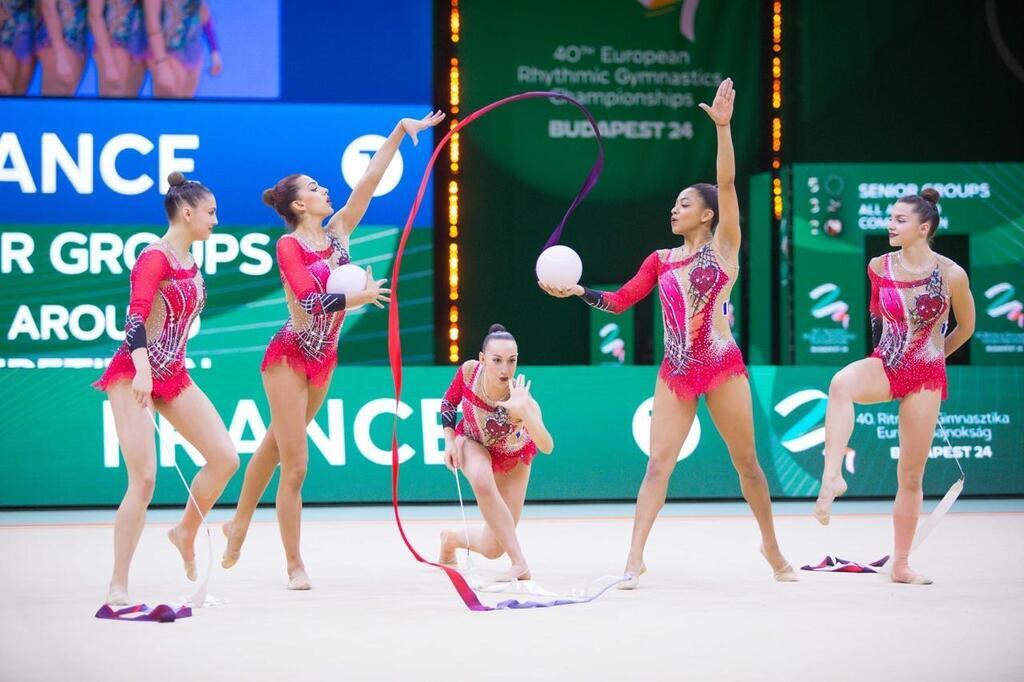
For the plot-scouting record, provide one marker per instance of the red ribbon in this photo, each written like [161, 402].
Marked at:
[395, 342]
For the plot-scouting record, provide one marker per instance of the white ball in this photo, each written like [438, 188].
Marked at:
[346, 279]
[559, 267]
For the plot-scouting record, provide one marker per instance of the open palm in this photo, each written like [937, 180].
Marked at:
[720, 110]
[412, 126]
[519, 400]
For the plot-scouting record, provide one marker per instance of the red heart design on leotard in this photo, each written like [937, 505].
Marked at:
[496, 429]
[927, 306]
[703, 278]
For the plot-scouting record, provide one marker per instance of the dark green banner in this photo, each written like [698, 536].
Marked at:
[840, 216]
[63, 451]
[611, 336]
[66, 294]
[642, 72]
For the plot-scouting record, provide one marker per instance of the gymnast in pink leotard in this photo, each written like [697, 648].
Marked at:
[302, 355]
[147, 375]
[913, 291]
[694, 286]
[701, 358]
[500, 432]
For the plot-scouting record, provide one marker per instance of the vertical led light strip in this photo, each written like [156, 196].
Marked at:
[776, 110]
[454, 100]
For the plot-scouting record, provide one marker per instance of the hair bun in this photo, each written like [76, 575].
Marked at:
[930, 195]
[268, 196]
[176, 179]
[495, 328]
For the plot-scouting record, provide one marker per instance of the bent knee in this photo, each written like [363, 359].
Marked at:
[484, 486]
[226, 462]
[842, 386]
[491, 550]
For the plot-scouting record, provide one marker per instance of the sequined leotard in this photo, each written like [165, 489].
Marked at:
[308, 341]
[700, 352]
[909, 322]
[165, 298]
[507, 443]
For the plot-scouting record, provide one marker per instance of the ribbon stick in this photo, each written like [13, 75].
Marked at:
[395, 342]
[925, 528]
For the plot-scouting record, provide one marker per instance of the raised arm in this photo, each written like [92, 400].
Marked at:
[728, 232]
[348, 216]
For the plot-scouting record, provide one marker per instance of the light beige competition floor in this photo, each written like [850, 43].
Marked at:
[706, 610]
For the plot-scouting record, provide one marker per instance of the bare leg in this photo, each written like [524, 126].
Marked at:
[671, 420]
[18, 73]
[180, 79]
[918, 414]
[55, 85]
[257, 477]
[135, 434]
[863, 382]
[190, 83]
[129, 72]
[136, 71]
[483, 540]
[732, 411]
[288, 394]
[476, 464]
[195, 418]
[23, 76]
[258, 473]
[133, 73]
[8, 64]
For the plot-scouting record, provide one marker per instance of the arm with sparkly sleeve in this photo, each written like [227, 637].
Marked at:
[149, 270]
[293, 269]
[450, 403]
[631, 292]
[450, 415]
[210, 34]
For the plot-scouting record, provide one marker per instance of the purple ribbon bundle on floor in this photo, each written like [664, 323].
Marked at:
[140, 612]
[837, 565]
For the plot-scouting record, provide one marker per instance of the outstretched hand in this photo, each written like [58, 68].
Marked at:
[412, 126]
[375, 289]
[720, 110]
[561, 292]
[519, 400]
